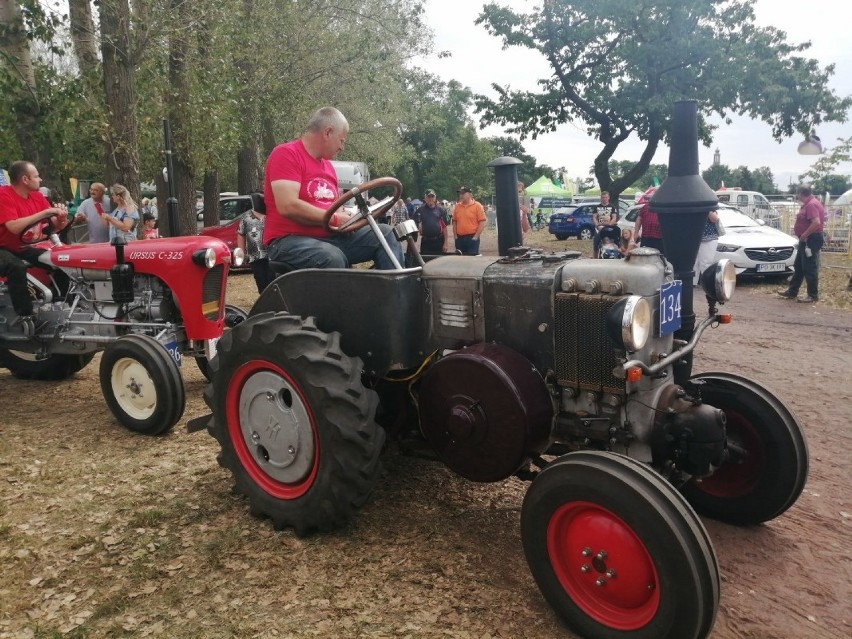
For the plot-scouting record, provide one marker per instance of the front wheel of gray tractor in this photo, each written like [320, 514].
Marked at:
[295, 424]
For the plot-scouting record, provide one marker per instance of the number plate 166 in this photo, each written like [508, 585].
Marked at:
[670, 294]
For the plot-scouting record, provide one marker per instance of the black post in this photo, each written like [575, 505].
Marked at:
[508, 208]
[171, 203]
[682, 203]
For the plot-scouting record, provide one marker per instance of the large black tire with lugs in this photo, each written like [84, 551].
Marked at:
[52, 368]
[295, 424]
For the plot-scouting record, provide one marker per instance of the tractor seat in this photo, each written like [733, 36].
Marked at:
[280, 268]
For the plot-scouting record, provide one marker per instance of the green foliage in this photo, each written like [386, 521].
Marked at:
[719, 175]
[618, 168]
[618, 66]
[822, 176]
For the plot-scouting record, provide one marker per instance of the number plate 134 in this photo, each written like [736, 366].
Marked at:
[670, 294]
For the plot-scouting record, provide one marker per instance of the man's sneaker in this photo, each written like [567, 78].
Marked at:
[787, 295]
[808, 300]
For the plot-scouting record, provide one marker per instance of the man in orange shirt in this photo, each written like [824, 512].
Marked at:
[468, 222]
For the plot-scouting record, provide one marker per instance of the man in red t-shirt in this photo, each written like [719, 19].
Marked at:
[808, 227]
[21, 206]
[299, 185]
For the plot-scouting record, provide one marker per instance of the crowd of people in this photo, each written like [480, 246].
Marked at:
[300, 184]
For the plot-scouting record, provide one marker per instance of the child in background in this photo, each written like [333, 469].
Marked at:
[627, 242]
[149, 227]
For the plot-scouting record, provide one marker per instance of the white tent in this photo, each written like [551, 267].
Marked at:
[843, 200]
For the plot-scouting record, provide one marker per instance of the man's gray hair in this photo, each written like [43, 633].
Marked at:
[327, 117]
[804, 190]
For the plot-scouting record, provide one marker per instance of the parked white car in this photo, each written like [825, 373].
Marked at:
[754, 247]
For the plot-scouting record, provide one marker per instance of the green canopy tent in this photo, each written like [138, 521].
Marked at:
[544, 187]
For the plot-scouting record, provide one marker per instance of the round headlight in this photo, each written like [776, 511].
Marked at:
[205, 257]
[719, 281]
[636, 323]
[630, 322]
[238, 257]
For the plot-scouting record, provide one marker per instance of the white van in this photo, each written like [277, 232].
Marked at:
[350, 174]
[749, 202]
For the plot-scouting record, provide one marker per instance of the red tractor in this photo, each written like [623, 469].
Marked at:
[147, 305]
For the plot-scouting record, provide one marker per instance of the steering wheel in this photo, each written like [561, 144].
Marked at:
[376, 210]
[38, 231]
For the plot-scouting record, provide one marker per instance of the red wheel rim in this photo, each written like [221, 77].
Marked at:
[737, 479]
[603, 566]
[275, 488]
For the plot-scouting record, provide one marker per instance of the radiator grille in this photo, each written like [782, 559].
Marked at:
[769, 254]
[211, 292]
[585, 355]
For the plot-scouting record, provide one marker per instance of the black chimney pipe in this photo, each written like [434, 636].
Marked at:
[682, 203]
[508, 207]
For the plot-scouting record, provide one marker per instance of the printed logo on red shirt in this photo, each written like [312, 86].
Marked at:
[321, 190]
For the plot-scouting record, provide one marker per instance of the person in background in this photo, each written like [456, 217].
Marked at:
[627, 242]
[647, 231]
[124, 218]
[707, 249]
[432, 225]
[808, 227]
[250, 239]
[399, 212]
[92, 211]
[605, 219]
[468, 222]
[149, 227]
[525, 205]
[299, 185]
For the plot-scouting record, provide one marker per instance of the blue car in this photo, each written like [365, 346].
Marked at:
[573, 222]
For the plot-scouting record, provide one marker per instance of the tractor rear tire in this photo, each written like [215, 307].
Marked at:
[141, 384]
[617, 552]
[53, 368]
[295, 423]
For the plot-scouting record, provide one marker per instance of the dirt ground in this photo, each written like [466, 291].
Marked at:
[108, 534]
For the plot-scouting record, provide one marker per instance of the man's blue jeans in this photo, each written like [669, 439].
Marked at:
[467, 245]
[336, 251]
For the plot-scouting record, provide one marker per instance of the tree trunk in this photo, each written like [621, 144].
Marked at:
[15, 54]
[249, 175]
[180, 119]
[211, 198]
[122, 148]
[83, 35]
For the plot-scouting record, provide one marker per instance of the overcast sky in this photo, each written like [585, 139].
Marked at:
[477, 61]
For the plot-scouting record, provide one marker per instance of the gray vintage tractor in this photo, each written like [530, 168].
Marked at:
[571, 373]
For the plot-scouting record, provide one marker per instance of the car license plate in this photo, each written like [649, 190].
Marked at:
[771, 268]
[670, 302]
